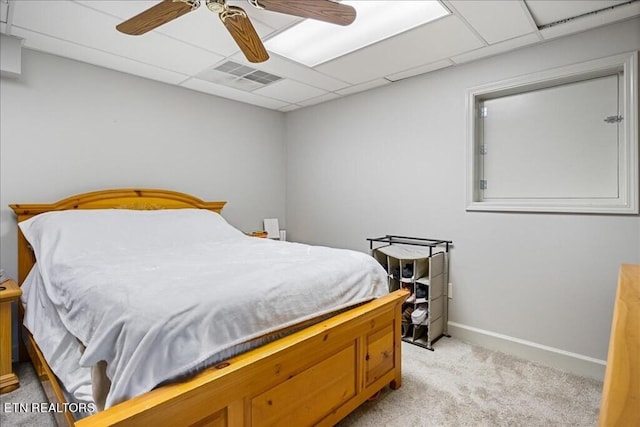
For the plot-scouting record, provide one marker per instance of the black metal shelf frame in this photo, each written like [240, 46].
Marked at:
[407, 240]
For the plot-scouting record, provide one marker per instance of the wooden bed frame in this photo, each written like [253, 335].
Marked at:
[316, 376]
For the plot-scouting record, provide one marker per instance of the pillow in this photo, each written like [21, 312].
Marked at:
[76, 232]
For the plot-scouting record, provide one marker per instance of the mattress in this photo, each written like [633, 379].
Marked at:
[161, 307]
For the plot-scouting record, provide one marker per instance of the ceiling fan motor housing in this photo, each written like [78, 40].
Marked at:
[217, 6]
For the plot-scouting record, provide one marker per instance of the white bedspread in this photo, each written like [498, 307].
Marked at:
[154, 303]
[61, 349]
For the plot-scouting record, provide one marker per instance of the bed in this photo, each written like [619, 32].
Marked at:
[315, 375]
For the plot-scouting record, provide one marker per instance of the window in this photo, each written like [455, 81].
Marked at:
[564, 140]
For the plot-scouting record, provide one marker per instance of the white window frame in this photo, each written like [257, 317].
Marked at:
[627, 200]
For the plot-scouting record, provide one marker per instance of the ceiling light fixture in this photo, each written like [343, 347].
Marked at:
[313, 42]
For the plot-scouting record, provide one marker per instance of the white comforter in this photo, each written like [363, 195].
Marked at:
[156, 293]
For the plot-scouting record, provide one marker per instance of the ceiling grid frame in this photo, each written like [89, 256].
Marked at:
[461, 36]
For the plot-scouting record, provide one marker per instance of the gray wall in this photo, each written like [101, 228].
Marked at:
[392, 161]
[68, 127]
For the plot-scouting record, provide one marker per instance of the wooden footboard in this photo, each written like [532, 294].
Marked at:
[314, 377]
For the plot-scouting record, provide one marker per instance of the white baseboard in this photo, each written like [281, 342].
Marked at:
[570, 362]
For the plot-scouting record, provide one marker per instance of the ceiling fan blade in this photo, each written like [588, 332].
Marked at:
[322, 10]
[157, 15]
[242, 31]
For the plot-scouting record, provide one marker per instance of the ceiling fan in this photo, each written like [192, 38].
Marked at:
[236, 20]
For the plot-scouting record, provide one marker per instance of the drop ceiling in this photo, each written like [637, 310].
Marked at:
[196, 52]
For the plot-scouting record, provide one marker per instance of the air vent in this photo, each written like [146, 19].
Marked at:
[582, 15]
[239, 76]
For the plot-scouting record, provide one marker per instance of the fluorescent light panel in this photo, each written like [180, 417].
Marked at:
[313, 42]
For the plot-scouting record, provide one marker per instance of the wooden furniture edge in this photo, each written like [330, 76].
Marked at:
[620, 405]
[111, 198]
[9, 292]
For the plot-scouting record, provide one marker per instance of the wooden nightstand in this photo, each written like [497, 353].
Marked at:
[262, 234]
[9, 292]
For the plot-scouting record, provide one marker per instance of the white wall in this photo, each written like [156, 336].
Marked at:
[68, 127]
[392, 161]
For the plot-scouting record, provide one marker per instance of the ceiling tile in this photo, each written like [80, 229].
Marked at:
[514, 18]
[230, 93]
[420, 46]
[420, 70]
[547, 11]
[586, 22]
[290, 107]
[287, 68]
[215, 76]
[119, 9]
[497, 48]
[66, 49]
[290, 91]
[319, 99]
[97, 30]
[363, 86]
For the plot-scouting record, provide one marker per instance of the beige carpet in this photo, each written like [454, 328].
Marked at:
[464, 385]
[456, 385]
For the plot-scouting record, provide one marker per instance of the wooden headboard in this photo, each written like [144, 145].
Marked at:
[125, 198]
